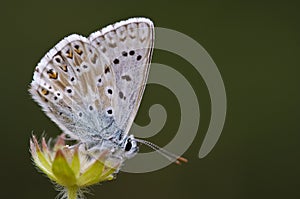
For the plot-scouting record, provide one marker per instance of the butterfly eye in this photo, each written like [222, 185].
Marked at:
[128, 145]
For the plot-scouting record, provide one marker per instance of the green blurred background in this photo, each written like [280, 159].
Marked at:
[256, 48]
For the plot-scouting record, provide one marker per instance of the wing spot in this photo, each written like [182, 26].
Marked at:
[99, 81]
[124, 53]
[109, 111]
[109, 91]
[116, 61]
[80, 114]
[69, 54]
[121, 95]
[69, 90]
[64, 68]
[131, 52]
[91, 108]
[103, 49]
[57, 60]
[106, 70]
[52, 74]
[139, 57]
[126, 77]
[77, 49]
[72, 79]
[94, 59]
[44, 91]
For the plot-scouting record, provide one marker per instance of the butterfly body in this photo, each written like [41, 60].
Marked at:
[92, 87]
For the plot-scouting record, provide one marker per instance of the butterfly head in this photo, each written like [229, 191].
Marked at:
[130, 147]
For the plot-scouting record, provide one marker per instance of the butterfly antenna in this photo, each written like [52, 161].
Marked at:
[170, 156]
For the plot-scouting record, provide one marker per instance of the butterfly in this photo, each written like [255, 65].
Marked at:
[92, 87]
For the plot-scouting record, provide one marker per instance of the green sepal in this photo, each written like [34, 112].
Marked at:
[40, 160]
[108, 174]
[76, 163]
[92, 175]
[62, 171]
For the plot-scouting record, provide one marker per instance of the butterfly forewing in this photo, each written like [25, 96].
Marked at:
[93, 87]
[128, 45]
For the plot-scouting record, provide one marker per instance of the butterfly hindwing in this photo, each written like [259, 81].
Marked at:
[71, 84]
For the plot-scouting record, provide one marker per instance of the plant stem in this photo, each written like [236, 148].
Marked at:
[72, 192]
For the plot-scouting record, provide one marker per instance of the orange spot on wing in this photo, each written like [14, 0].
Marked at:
[52, 74]
[44, 91]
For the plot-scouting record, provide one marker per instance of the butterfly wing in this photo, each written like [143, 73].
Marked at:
[69, 83]
[93, 87]
[128, 45]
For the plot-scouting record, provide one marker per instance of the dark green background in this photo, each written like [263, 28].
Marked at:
[256, 48]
